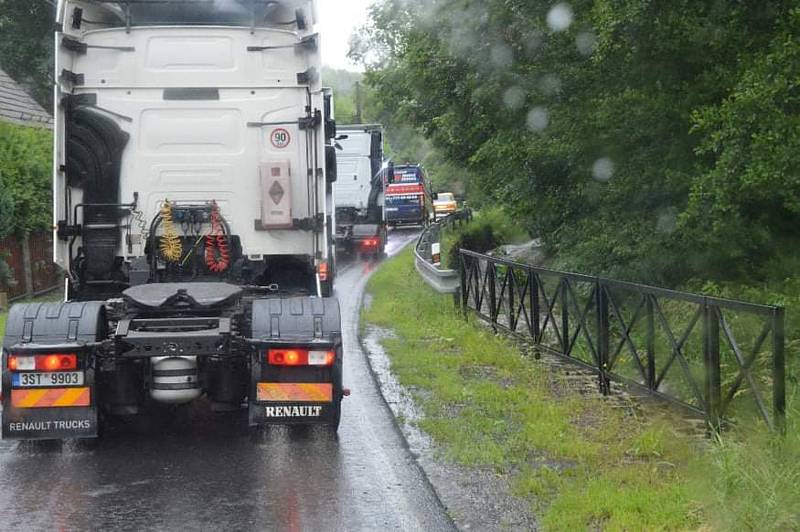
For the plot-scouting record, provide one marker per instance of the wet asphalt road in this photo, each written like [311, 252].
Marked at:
[200, 471]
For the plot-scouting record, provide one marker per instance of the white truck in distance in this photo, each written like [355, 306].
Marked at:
[359, 190]
[192, 191]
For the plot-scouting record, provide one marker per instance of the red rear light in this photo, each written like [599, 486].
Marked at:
[300, 357]
[56, 362]
[51, 362]
[322, 269]
[288, 357]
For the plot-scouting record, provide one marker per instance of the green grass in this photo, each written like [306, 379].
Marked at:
[748, 481]
[580, 462]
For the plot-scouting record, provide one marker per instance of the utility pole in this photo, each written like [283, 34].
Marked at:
[358, 102]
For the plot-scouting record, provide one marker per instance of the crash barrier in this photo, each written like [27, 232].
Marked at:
[427, 255]
[720, 358]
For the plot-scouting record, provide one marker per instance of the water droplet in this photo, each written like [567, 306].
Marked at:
[502, 56]
[550, 85]
[586, 42]
[603, 169]
[534, 40]
[667, 220]
[514, 98]
[538, 118]
[560, 16]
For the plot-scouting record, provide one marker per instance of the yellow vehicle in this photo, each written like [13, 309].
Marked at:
[444, 203]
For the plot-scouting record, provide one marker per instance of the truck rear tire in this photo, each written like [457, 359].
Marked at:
[338, 387]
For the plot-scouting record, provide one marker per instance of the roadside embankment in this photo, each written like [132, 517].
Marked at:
[578, 460]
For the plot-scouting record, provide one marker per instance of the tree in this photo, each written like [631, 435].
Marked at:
[611, 128]
[26, 46]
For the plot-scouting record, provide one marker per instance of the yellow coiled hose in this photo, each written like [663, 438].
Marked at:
[171, 247]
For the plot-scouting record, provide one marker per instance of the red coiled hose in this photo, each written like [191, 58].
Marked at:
[218, 254]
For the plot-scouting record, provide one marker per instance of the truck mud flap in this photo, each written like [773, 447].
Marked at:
[55, 410]
[284, 402]
[49, 423]
[295, 394]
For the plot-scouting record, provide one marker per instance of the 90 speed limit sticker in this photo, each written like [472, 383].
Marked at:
[280, 138]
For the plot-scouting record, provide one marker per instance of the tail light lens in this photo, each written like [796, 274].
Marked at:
[57, 362]
[300, 357]
[51, 362]
[322, 269]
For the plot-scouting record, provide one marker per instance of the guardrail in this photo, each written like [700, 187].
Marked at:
[443, 281]
[721, 358]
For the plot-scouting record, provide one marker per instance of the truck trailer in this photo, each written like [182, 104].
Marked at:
[408, 196]
[192, 187]
[359, 190]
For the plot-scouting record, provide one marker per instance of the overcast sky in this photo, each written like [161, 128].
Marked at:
[338, 20]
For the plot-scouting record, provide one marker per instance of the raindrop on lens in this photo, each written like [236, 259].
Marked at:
[603, 169]
[514, 98]
[667, 221]
[559, 18]
[538, 118]
[550, 85]
[502, 56]
[586, 42]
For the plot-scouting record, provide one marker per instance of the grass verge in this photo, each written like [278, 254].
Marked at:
[581, 462]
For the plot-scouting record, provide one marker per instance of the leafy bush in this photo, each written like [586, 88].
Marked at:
[6, 224]
[490, 228]
[26, 171]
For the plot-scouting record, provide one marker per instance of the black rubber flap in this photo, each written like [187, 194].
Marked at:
[191, 295]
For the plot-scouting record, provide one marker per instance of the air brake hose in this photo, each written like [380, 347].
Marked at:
[218, 255]
[170, 246]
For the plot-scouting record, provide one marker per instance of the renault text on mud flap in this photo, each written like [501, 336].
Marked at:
[34, 426]
[293, 411]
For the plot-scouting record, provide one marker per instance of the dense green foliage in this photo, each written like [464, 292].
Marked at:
[25, 170]
[6, 225]
[26, 46]
[642, 139]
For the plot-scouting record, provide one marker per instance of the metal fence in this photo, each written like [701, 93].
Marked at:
[721, 358]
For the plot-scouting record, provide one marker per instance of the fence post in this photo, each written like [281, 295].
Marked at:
[602, 337]
[778, 370]
[712, 365]
[512, 315]
[533, 287]
[462, 267]
[27, 265]
[651, 343]
[491, 276]
[565, 316]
